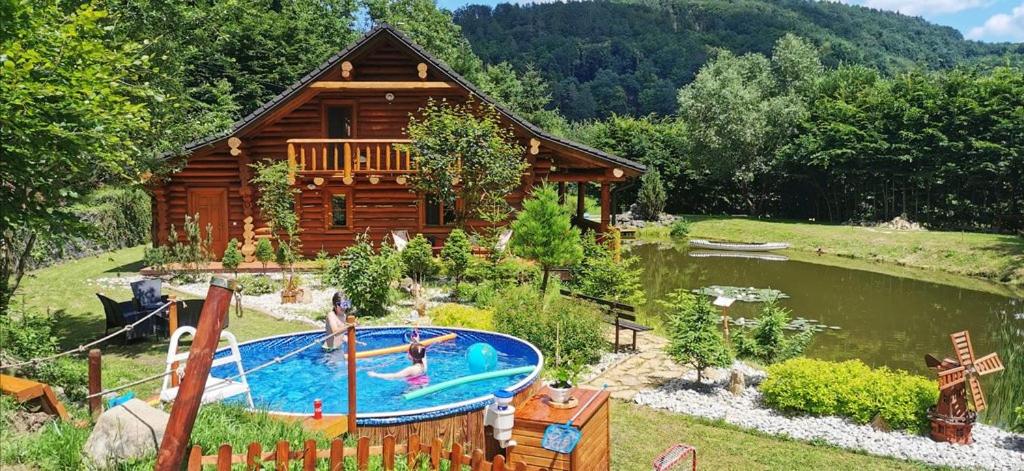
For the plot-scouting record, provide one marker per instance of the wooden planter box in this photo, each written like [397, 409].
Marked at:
[593, 452]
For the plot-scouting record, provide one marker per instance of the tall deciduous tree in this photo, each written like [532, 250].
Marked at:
[464, 153]
[71, 109]
[543, 232]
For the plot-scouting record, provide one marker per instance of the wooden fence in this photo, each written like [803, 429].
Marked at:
[411, 452]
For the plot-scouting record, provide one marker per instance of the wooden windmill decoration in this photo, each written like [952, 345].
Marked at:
[951, 419]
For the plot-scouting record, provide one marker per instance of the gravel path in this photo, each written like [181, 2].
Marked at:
[993, 448]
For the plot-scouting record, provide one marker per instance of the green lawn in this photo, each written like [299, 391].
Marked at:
[639, 434]
[69, 291]
[994, 257]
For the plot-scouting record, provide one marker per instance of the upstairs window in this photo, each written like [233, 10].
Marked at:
[339, 122]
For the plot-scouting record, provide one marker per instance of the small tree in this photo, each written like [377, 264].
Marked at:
[650, 201]
[768, 342]
[264, 252]
[543, 232]
[694, 338]
[418, 258]
[463, 153]
[367, 277]
[276, 202]
[456, 254]
[232, 257]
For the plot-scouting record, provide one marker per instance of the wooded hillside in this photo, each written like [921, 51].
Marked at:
[631, 56]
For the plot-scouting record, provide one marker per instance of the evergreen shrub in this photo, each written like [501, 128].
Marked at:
[258, 285]
[461, 315]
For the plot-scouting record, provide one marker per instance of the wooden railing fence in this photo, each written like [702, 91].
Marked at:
[412, 452]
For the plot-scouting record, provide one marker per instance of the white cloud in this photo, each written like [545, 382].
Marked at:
[1006, 27]
[921, 7]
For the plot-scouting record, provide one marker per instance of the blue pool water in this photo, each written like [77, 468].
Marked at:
[292, 385]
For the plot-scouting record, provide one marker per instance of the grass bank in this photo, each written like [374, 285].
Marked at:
[993, 257]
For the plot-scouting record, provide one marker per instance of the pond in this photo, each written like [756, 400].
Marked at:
[880, 319]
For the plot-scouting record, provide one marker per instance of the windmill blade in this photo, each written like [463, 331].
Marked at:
[988, 364]
[931, 361]
[962, 347]
[976, 395]
[951, 377]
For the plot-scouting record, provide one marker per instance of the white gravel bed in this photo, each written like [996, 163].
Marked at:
[993, 448]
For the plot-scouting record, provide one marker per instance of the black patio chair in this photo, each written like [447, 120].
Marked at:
[189, 311]
[120, 314]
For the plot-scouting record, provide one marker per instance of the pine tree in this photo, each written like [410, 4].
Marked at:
[418, 258]
[232, 257]
[650, 202]
[264, 252]
[768, 342]
[543, 232]
[456, 255]
[694, 338]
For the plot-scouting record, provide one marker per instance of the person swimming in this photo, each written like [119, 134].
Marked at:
[334, 324]
[416, 373]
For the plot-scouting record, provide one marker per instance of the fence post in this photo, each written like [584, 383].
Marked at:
[190, 393]
[172, 325]
[351, 320]
[95, 382]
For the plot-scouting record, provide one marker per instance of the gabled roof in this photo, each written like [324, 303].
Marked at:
[386, 29]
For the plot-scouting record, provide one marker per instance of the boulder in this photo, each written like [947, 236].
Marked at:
[130, 431]
[737, 382]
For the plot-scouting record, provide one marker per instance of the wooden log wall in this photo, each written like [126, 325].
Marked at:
[377, 208]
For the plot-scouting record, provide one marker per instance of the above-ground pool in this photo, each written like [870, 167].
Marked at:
[290, 387]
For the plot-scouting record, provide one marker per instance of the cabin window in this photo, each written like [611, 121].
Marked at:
[438, 214]
[339, 122]
[339, 211]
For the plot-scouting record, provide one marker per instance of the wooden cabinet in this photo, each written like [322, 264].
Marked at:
[593, 452]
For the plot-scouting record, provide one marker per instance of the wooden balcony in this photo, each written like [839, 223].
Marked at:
[349, 157]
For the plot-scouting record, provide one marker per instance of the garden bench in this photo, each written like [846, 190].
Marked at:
[25, 390]
[622, 316]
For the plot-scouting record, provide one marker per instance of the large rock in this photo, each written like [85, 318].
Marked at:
[737, 382]
[129, 431]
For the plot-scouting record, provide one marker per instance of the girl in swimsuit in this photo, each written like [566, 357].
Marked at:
[416, 373]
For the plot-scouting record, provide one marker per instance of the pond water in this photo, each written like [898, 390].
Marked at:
[881, 319]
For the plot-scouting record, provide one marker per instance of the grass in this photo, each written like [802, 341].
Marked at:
[994, 257]
[639, 434]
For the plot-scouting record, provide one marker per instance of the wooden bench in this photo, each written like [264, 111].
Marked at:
[26, 390]
[622, 316]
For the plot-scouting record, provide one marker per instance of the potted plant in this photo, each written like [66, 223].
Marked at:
[563, 378]
[291, 293]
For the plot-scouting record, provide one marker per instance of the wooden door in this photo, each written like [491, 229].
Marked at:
[212, 206]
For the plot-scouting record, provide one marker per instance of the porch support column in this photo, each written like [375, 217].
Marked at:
[581, 191]
[606, 206]
[561, 192]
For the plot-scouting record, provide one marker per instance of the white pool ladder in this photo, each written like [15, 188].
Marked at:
[217, 389]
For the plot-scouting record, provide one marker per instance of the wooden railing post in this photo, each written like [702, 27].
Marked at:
[351, 357]
[190, 393]
[291, 163]
[348, 160]
[95, 382]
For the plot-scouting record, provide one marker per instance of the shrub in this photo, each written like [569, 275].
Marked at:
[456, 255]
[264, 252]
[599, 274]
[694, 338]
[332, 269]
[156, 258]
[257, 285]
[367, 276]
[768, 342]
[34, 335]
[680, 228]
[232, 257]
[195, 251]
[521, 312]
[650, 201]
[850, 389]
[1018, 425]
[418, 259]
[460, 315]
[543, 232]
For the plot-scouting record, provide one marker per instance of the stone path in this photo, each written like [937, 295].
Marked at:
[648, 368]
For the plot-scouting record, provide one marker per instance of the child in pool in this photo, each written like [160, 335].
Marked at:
[416, 373]
[341, 307]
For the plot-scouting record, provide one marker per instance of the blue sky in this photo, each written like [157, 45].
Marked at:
[984, 20]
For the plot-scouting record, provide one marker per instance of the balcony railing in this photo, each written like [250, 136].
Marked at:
[349, 156]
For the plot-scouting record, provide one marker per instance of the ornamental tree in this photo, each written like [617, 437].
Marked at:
[264, 252]
[463, 153]
[71, 111]
[418, 258]
[543, 232]
[694, 338]
[277, 207]
[455, 255]
[650, 201]
[232, 257]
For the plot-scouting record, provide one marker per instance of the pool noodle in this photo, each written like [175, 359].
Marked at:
[404, 348]
[466, 379]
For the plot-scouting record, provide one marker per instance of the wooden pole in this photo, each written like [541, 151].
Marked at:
[561, 192]
[190, 393]
[581, 195]
[606, 206]
[351, 357]
[95, 382]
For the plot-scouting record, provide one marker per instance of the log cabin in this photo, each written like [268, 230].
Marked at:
[341, 128]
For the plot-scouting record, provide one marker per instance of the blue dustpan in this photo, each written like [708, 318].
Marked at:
[562, 438]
